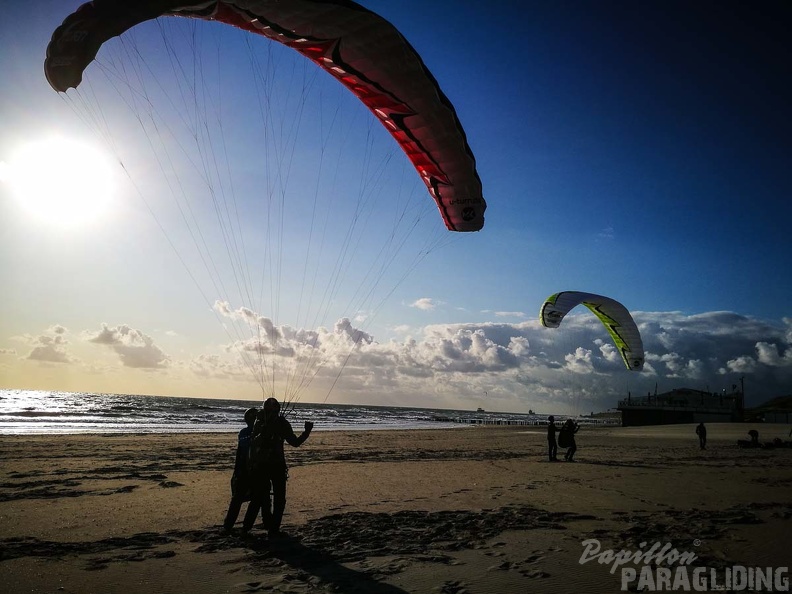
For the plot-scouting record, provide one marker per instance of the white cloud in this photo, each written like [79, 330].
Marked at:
[768, 354]
[519, 365]
[580, 361]
[49, 353]
[609, 352]
[527, 363]
[741, 364]
[510, 314]
[134, 348]
[265, 350]
[48, 347]
[424, 303]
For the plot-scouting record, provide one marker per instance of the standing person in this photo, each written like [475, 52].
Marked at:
[240, 485]
[268, 468]
[570, 428]
[552, 446]
[701, 431]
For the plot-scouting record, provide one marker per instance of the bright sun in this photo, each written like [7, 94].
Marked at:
[60, 181]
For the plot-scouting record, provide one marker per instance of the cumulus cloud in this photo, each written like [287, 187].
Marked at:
[49, 346]
[266, 348]
[742, 364]
[50, 353]
[580, 361]
[519, 365]
[134, 348]
[525, 362]
[424, 303]
[768, 354]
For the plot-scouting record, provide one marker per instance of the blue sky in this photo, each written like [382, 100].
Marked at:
[636, 150]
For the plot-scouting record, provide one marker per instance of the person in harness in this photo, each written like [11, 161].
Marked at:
[240, 485]
[267, 468]
[566, 439]
[552, 446]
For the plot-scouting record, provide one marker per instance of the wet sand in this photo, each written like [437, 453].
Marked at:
[474, 509]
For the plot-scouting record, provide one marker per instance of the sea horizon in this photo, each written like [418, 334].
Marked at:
[50, 411]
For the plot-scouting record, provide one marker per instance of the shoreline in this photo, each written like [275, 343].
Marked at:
[721, 430]
[416, 510]
[207, 428]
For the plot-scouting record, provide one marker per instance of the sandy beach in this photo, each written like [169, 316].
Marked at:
[474, 509]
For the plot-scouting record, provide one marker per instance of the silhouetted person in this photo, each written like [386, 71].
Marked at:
[240, 485]
[552, 446]
[267, 465]
[701, 431]
[754, 437]
[567, 436]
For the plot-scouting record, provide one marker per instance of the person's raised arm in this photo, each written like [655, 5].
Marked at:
[295, 441]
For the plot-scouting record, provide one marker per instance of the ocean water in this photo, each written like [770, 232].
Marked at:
[39, 411]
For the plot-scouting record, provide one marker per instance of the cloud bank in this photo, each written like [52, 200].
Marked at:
[502, 366]
[133, 347]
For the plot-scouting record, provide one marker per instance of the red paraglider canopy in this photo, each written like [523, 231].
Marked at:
[362, 50]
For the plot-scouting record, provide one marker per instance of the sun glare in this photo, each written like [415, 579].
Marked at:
[60, 181]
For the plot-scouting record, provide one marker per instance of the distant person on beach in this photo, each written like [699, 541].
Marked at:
[552, 446]
[240, 484]
[566, 439]
[753, 443]
[267, 466]
[701, 431]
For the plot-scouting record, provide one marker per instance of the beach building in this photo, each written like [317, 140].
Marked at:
[682, 405]
[775, 410]
[777, 416]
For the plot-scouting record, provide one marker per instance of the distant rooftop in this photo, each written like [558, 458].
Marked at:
[686, 398]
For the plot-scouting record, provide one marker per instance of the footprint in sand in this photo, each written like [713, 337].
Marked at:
[496, 545]
[534, 573]
[505, 566]
[457, 492]
[453, 587]
[519, 487]
[170, 484]
[535, 557]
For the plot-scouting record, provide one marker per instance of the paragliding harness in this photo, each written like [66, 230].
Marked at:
[564, 438]
[566, 435]
[264, 456]
[240, 479]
